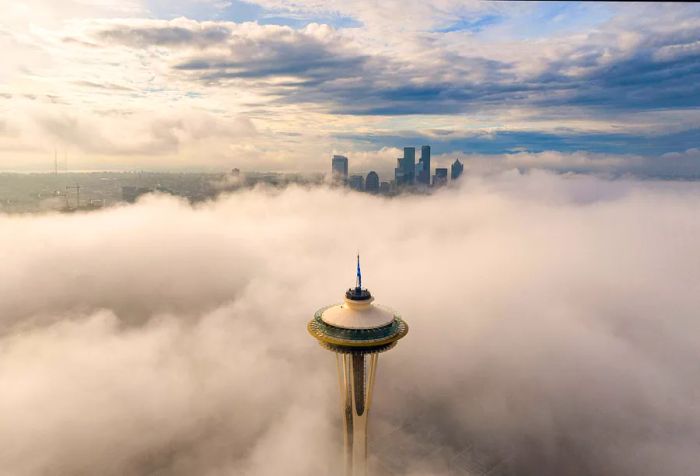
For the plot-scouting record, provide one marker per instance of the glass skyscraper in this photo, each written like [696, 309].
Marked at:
[457, 169]
[440, 177]
[423, 169]
[405, 172]
[339, 168]
[372, 182]
[409, 163]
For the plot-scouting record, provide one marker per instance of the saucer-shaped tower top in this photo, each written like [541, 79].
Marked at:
[357, 325]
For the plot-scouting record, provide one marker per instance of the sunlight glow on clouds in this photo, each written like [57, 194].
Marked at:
[110, 72]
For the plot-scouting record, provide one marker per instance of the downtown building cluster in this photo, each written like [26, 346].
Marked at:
[408, 173]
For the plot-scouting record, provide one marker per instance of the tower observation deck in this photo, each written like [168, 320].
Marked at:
[356, 331]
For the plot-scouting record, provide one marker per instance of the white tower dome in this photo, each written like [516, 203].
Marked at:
[357, 314]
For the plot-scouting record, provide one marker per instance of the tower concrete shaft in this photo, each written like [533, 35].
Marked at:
[356, 375]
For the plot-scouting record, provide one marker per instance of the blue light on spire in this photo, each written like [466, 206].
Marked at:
[359, 274]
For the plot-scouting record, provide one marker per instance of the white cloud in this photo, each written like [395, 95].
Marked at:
[553, 323]
[691, 154]
[303, 88]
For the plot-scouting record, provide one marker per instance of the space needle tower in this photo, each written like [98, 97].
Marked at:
[356, 331]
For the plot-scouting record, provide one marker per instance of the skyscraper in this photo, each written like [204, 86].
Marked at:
[357, 331]
[418, 171]
[457, 169]
[399, 172]
[440, 177]
[409, 165]
[357, 182]
[372, 182]
[405, 171]
[339, 168]
[423, 175]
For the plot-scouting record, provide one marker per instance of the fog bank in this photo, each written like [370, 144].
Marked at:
[553, 319]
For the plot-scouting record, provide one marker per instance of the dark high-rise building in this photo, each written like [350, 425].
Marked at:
[399, 172]
[409, 164]
[418, 171]
[339, 168]
[385, 188]
[372, 182]
[423, 168]
[357, 182]
[405, 172]
[440, 177]
[457, 169]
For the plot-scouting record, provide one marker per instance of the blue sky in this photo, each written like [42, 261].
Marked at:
[273, 84]
[239, 11]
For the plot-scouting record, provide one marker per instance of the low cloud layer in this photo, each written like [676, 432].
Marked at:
[553, 330]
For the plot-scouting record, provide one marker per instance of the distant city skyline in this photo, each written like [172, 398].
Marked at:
[407, 175]
[67, 191]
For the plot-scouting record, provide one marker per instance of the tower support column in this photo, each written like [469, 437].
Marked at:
[356, 375]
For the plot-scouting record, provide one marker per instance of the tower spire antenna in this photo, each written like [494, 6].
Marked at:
[359, 274]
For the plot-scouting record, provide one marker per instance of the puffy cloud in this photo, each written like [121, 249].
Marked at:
[159, 135]
[318, 65]
[213, 52]
[166, 36]
[553, 330]
[572, 85]
[692, 154]
[577, 162]
[121, 136]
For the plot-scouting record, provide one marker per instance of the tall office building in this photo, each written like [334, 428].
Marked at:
[356, 331]
[440, 177]
[339, 168]
[398, 172]
[357, 182]
[457, 169]
[418, 172]
[409, 163]
[405, 171]
[423, 168]
[372, 182]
